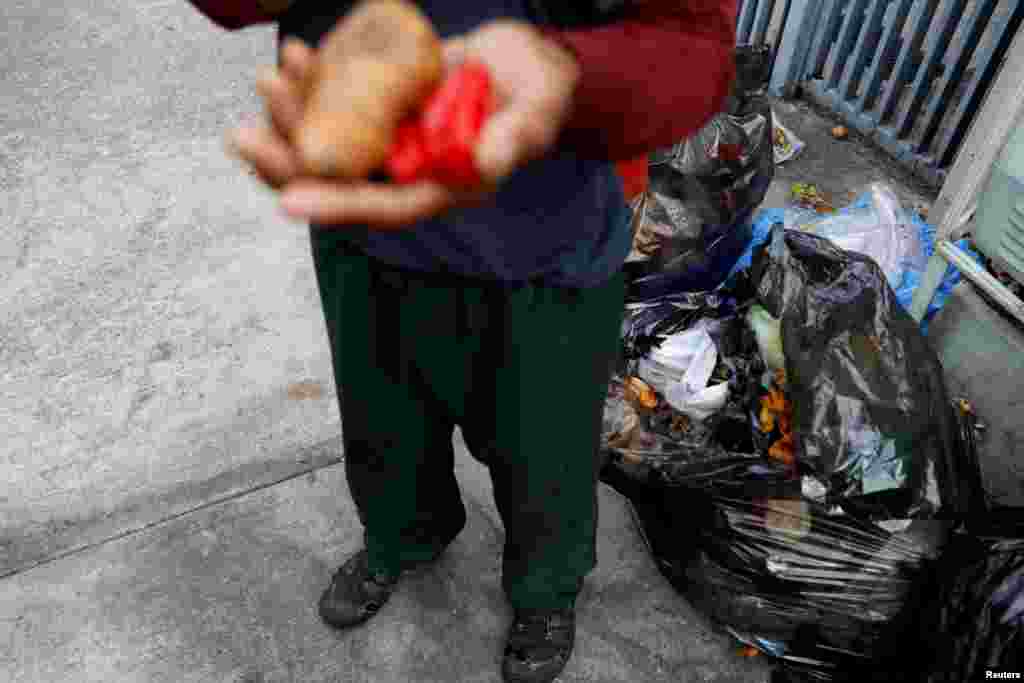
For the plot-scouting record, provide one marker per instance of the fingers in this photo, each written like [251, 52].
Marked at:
[285, 89]
[381, 206]
[297, 60]
[512, 137]
[283, 99]
[535, 79]
[269, 154]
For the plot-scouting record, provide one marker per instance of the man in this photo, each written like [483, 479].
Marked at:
[498, 313]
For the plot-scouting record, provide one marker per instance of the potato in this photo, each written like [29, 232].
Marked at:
[379, 63]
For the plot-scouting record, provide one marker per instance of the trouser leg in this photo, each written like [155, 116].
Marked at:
[397, 436]
[534, 419]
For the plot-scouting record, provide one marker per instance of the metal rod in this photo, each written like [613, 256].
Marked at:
[982, 278]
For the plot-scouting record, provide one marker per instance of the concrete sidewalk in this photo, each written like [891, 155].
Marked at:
[228, 593]
[169, 439]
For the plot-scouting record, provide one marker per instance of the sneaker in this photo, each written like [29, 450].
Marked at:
[539, 645]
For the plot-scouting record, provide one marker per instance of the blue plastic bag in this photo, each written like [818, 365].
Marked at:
[767, 218]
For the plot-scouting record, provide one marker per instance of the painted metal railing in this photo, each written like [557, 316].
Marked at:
[910, 74]
[762, 21]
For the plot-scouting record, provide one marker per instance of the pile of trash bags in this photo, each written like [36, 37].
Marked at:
[783, 432]
[800, 474]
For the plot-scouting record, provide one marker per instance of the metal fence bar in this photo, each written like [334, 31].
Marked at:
[745, 21]
[851, 29]
[798, 31]
[890, 68]
[938, 44]
[787, 5]
[765, 10]
[936, 110]
[882, 67]
[831, 16]
[989, 58]
[920, 21]
[867, 48]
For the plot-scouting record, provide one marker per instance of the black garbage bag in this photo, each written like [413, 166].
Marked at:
[706, 450]
[973, 621]
[695, 220]
[647, 323]
[821, 563]
[975, 618]
[871, 411]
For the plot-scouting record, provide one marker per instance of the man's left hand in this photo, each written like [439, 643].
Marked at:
[534, 81]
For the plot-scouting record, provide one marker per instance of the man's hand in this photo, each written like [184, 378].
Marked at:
[534, 81]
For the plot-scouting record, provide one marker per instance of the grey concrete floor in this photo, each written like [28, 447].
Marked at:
[173, 498]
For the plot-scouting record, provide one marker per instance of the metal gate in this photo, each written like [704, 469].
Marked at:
[909, 74]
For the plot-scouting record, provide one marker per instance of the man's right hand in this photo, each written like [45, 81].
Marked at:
[267, 147]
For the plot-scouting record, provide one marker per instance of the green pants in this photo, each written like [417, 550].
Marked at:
[523, 372]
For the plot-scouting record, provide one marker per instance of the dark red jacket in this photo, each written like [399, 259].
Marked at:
[648, 80]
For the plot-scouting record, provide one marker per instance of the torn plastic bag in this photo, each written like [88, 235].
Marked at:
[767, 219]
[696, 218]
[871, 412]
[681, 368]
[878, 226]
[821, 563]
[670, 361]
[647, 323]
[700, 421]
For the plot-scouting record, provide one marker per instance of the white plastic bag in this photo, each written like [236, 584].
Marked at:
[880, 228]
[668, 363]
[680, 371]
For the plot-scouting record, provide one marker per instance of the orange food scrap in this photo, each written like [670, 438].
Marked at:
[776, 410]
[773, 404]
[640, 392]
[784, 450]
[786, 422]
